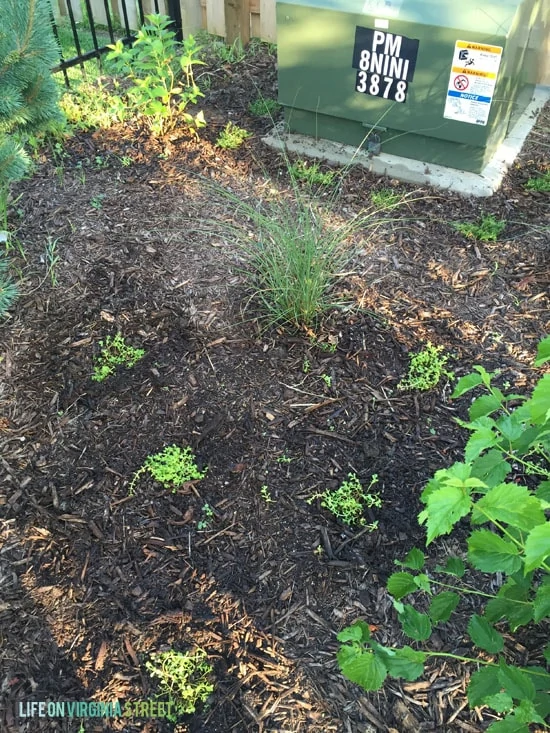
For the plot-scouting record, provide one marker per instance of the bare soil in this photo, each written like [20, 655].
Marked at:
[93, 579]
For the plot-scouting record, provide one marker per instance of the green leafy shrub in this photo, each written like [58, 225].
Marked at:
[510, 536]
[426, 369]
[182, 677]
[160, 71]
[487, 229]
[92, 104]
[349, 501]
[114, 352]
[172, 468]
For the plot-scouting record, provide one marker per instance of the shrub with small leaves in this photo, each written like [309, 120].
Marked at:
[114, 352]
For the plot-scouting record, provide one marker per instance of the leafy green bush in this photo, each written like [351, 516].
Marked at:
[160, 69]
[510, 536]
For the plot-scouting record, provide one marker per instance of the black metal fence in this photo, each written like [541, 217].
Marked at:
[116, 27]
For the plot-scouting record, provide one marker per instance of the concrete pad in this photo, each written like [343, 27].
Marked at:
[416, 171]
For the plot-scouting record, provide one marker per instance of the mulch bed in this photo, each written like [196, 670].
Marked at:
[93, 579]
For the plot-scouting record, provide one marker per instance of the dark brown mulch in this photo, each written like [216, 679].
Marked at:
[93, 579]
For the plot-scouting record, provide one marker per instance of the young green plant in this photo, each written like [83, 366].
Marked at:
[509, 541]
[183, 677]
[426, 369]
[114, 352]
[232, 137]
[172, 467]
[161, 74]
[349, 502]
[487, 229]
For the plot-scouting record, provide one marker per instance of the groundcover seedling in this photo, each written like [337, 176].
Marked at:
[539, 183]
[350, 500]
[207, 517]
[509, 540]
[232, 136]
[487, 229]
[263, 107]
[311, 173]
[385, 198]
[114, 352]
[182, 677]
[172, 467]
[426, 369]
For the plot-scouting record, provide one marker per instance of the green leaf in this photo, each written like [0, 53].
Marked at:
[537, 547]
[501, 702]
[401, 584]
[442, 606]
[454, 566]
[484, 635]
[484, 405]
[541, 603]
[423, 583]
[414, 560]
[512, 602]
[510, 427]
[406, 663]
[483, 684]
[444, 508]
[526, 712]
[539, 404]
[546, 653]
[484, 437]
[511, 504]
[515, 682]
[359, 631]
[543, 352]
[542, 704]
[508, 725]
[539, 677]
[491, 467]
[465, 384]
[491, 554]
[364, 668]
[416, 625]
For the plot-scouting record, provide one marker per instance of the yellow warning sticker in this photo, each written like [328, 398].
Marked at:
[472, 82]
[479, 47]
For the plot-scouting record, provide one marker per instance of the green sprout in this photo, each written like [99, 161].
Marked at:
[327, 379]
[350, 500]
[172, 468]
[306, 366]
[311, 174]
[114, 352]
[266, 495]
[183, 677]
[207, 517]
[426, 369]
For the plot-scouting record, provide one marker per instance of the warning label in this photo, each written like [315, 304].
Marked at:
[472, 82]
[385, 63]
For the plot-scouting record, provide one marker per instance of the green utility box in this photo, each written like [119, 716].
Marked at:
[433, 80]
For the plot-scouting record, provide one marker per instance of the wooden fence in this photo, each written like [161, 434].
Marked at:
[231, 19]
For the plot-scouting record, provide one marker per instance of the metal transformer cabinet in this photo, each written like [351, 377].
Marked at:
[433, 80]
